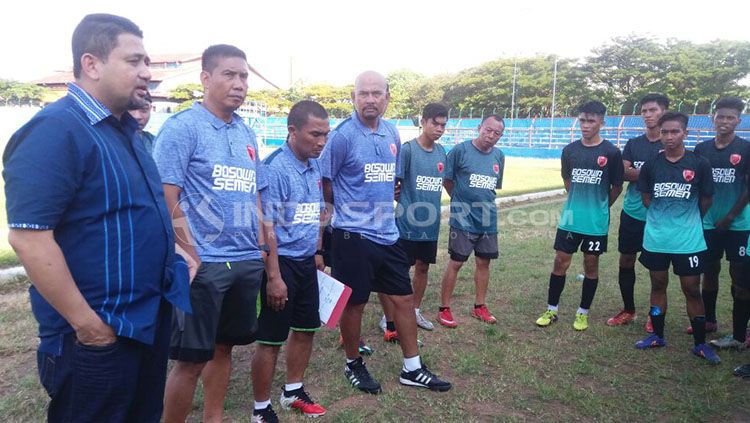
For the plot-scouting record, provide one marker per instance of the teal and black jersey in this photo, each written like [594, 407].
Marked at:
[592, 172]
[476, 176]
[729, 166]
[637, 151]
[421, 174]
[673, 219]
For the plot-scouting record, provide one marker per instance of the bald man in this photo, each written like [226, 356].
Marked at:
[359, 165]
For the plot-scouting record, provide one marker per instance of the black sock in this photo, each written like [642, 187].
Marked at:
[626, 278]
[657, 320]
[740, 316]
[709, 302]
[588, 290]
[390, 326]
[478, 305]
[556, 286]
[699, 329]
[441, 308]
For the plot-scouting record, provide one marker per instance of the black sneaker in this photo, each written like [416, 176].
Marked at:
[423, 378]
[360, 378]
[742, 371]
[266, 415]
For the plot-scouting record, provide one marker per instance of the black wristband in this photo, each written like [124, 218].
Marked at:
[320, 252]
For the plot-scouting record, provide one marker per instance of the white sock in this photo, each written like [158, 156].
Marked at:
[350, 360]
[413, 363]
[260, 405]
[582, 311]
[292, 386]
[551, 307]
[416, 311]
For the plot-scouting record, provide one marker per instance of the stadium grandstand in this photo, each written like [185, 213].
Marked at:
[541, 137]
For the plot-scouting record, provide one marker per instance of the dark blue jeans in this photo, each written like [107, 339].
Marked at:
[122, 382]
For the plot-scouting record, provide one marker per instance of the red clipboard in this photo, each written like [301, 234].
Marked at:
[333, 296]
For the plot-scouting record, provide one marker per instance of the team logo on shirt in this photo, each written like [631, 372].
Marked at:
[482, 181]
[440, 166]
[393, 149]
[586, 176]
[496, 168]
[429, 183]
[380, 172]
[601, 161]
[306, 213]
[688, 174]
[251, 152]
[734, 159]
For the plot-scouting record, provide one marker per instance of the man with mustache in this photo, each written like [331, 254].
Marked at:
[359, 173]
[88, 221]
[212, 177]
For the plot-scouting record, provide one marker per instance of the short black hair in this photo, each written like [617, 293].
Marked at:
[735, 103]
[494, 116]
[214, 52]
[657, 98]
[593, 107]
[302, 111]
[674, 116]
[434, 110]
[97, 34]
[141, 105]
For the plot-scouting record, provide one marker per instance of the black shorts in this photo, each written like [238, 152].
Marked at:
[367, 266]
[568, 242]
[301, 311]
[630, 234]
[223, 296]
[744, 280]
[733, 242]
[462, 243]
[682, 264]
[424, 251]
[327, 235]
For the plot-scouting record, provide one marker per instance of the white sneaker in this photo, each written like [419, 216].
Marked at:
[382, 324]
[422, 322]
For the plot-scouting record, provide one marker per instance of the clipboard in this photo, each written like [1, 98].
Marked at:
[333, 296]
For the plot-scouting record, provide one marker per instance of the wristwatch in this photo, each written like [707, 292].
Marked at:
[264, 248]
[320, 252]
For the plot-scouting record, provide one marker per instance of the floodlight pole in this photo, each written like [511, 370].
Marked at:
[513, 91]
[554, 89]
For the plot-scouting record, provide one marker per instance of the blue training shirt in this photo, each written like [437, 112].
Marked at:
[361, 164]
[293, 201]
[77, 170]
[217, 166]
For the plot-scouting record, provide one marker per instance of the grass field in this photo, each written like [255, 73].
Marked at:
[511, 371]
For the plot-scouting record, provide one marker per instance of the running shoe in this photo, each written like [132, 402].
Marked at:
[298, 399]
[483, 314]
[423, 378]
[422, 322]
[728, 343]
[581, 322]
[363, 348]
[547, 318]
[445, 318]
[707, 353]
[621, 318]
[710, 327]
[651, 341]
[649, 325]
[390, 336]
[357, 374]
[266, 415]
